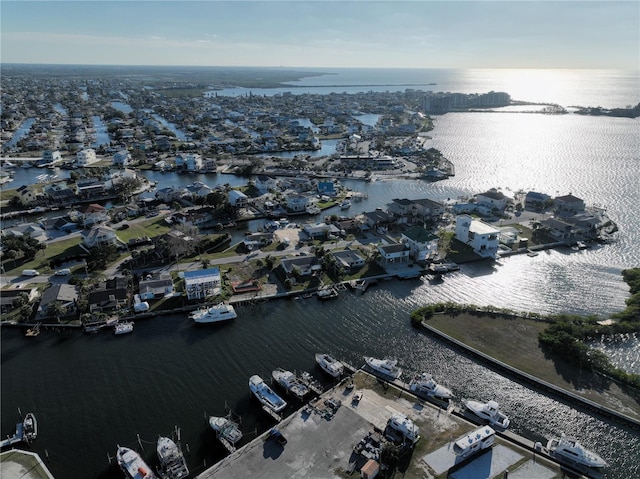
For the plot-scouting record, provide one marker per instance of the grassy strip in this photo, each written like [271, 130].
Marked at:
[57, 249]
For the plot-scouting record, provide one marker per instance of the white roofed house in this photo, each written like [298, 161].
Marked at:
[266, 183]
[482, 237]
[198, 190]
[422, 244]
[100, 236]
[85, 157]
[189, 162]
[203, 283]
[296, 202]
[28, 194]
[302, 266]
[170, 194]
[65, 295]
[156, 287]
[348, 260]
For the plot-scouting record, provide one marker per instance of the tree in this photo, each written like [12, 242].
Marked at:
[55, 310]
[21, 300]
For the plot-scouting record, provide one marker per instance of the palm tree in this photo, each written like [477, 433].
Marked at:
[55, 310]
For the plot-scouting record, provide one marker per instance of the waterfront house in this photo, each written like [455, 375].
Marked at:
[238, 199]
[170, 194]
[296, 202]
[536, 201]
[66, 295]
[93, 214]
[393, 253]
[121, 158]
[28, 194]
[99, 236]
[493, 200]
[50, 157]
[378, 219]
[266, 183]
[327, 188]
[189, 162]
[9, 296]
[90, 187]
[348, 261]
[558, 229]
[257, 240]
[568, 205]
[202, 284]
[320, 230]
[198, 190]
[59, 193]
[110, 295]
[157, 286]
[422, 244]
[482, 237]
[85, 157]
[300, 266]
[419, 210]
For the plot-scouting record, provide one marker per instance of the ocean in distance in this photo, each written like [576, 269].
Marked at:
[91, 393]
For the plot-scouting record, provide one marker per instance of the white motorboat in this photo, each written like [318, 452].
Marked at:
[490, 412]
[290, 383]
[219, 312]
[330, 365]
[123, 328]
[474, 442]
[172, 462]
[570, 450]
[405, 426]
[265, 394]
[226, 429]
[424, 384]
[345, 204]
[30, 427]
[386, 367]
[133, 465]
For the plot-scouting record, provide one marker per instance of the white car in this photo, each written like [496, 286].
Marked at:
[63, 272]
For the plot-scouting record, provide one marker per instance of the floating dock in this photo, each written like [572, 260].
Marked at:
[16, 438]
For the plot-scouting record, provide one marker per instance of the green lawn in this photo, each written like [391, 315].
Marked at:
[58, 250]
[151, 227]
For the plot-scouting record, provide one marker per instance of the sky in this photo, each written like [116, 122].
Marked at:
[346, 33]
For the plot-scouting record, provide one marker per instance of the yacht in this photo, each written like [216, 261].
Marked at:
[405, 426]
[423, 384]
[330, 365]
[474, 442]
[386, 367]
[226, 429]
[290, 383]
[133, 465]
[570, 450]
[490, 412]
[219, 312]
[123, 328]
[265, 394]
[172, 462]
[29, 427]
[345, 205]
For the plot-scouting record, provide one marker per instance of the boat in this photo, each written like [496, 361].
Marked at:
[265, 394]
[33, 332]
[386, 367]
[29, 427]
[219, 312]
[405, 426]
[330, 365]
[327, 292]
[290, 383]
[123, 328]
[226, 429]
[172, 462]
[474, 442]
[490, 412]
[345, 205]
[570, 450]
[133, 465]
[423, 384]
[313, 210]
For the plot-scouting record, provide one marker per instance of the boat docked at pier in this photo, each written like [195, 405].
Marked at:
[29, 427]
[123, 328]
[133, 465]
[225, 429]
[290, 383]
[213, 314]
[489, 412]
[269, 399]
[474, 442]
[172, 462]
[385, 367]
[423, 384]
[569, 450]
[330, 365]
[345, 204]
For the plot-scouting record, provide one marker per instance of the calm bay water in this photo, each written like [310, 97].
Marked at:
[91, 393]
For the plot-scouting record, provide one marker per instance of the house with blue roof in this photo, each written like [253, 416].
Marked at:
[202, 283]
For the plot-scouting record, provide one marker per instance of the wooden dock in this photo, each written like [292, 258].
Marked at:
[272, 413]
